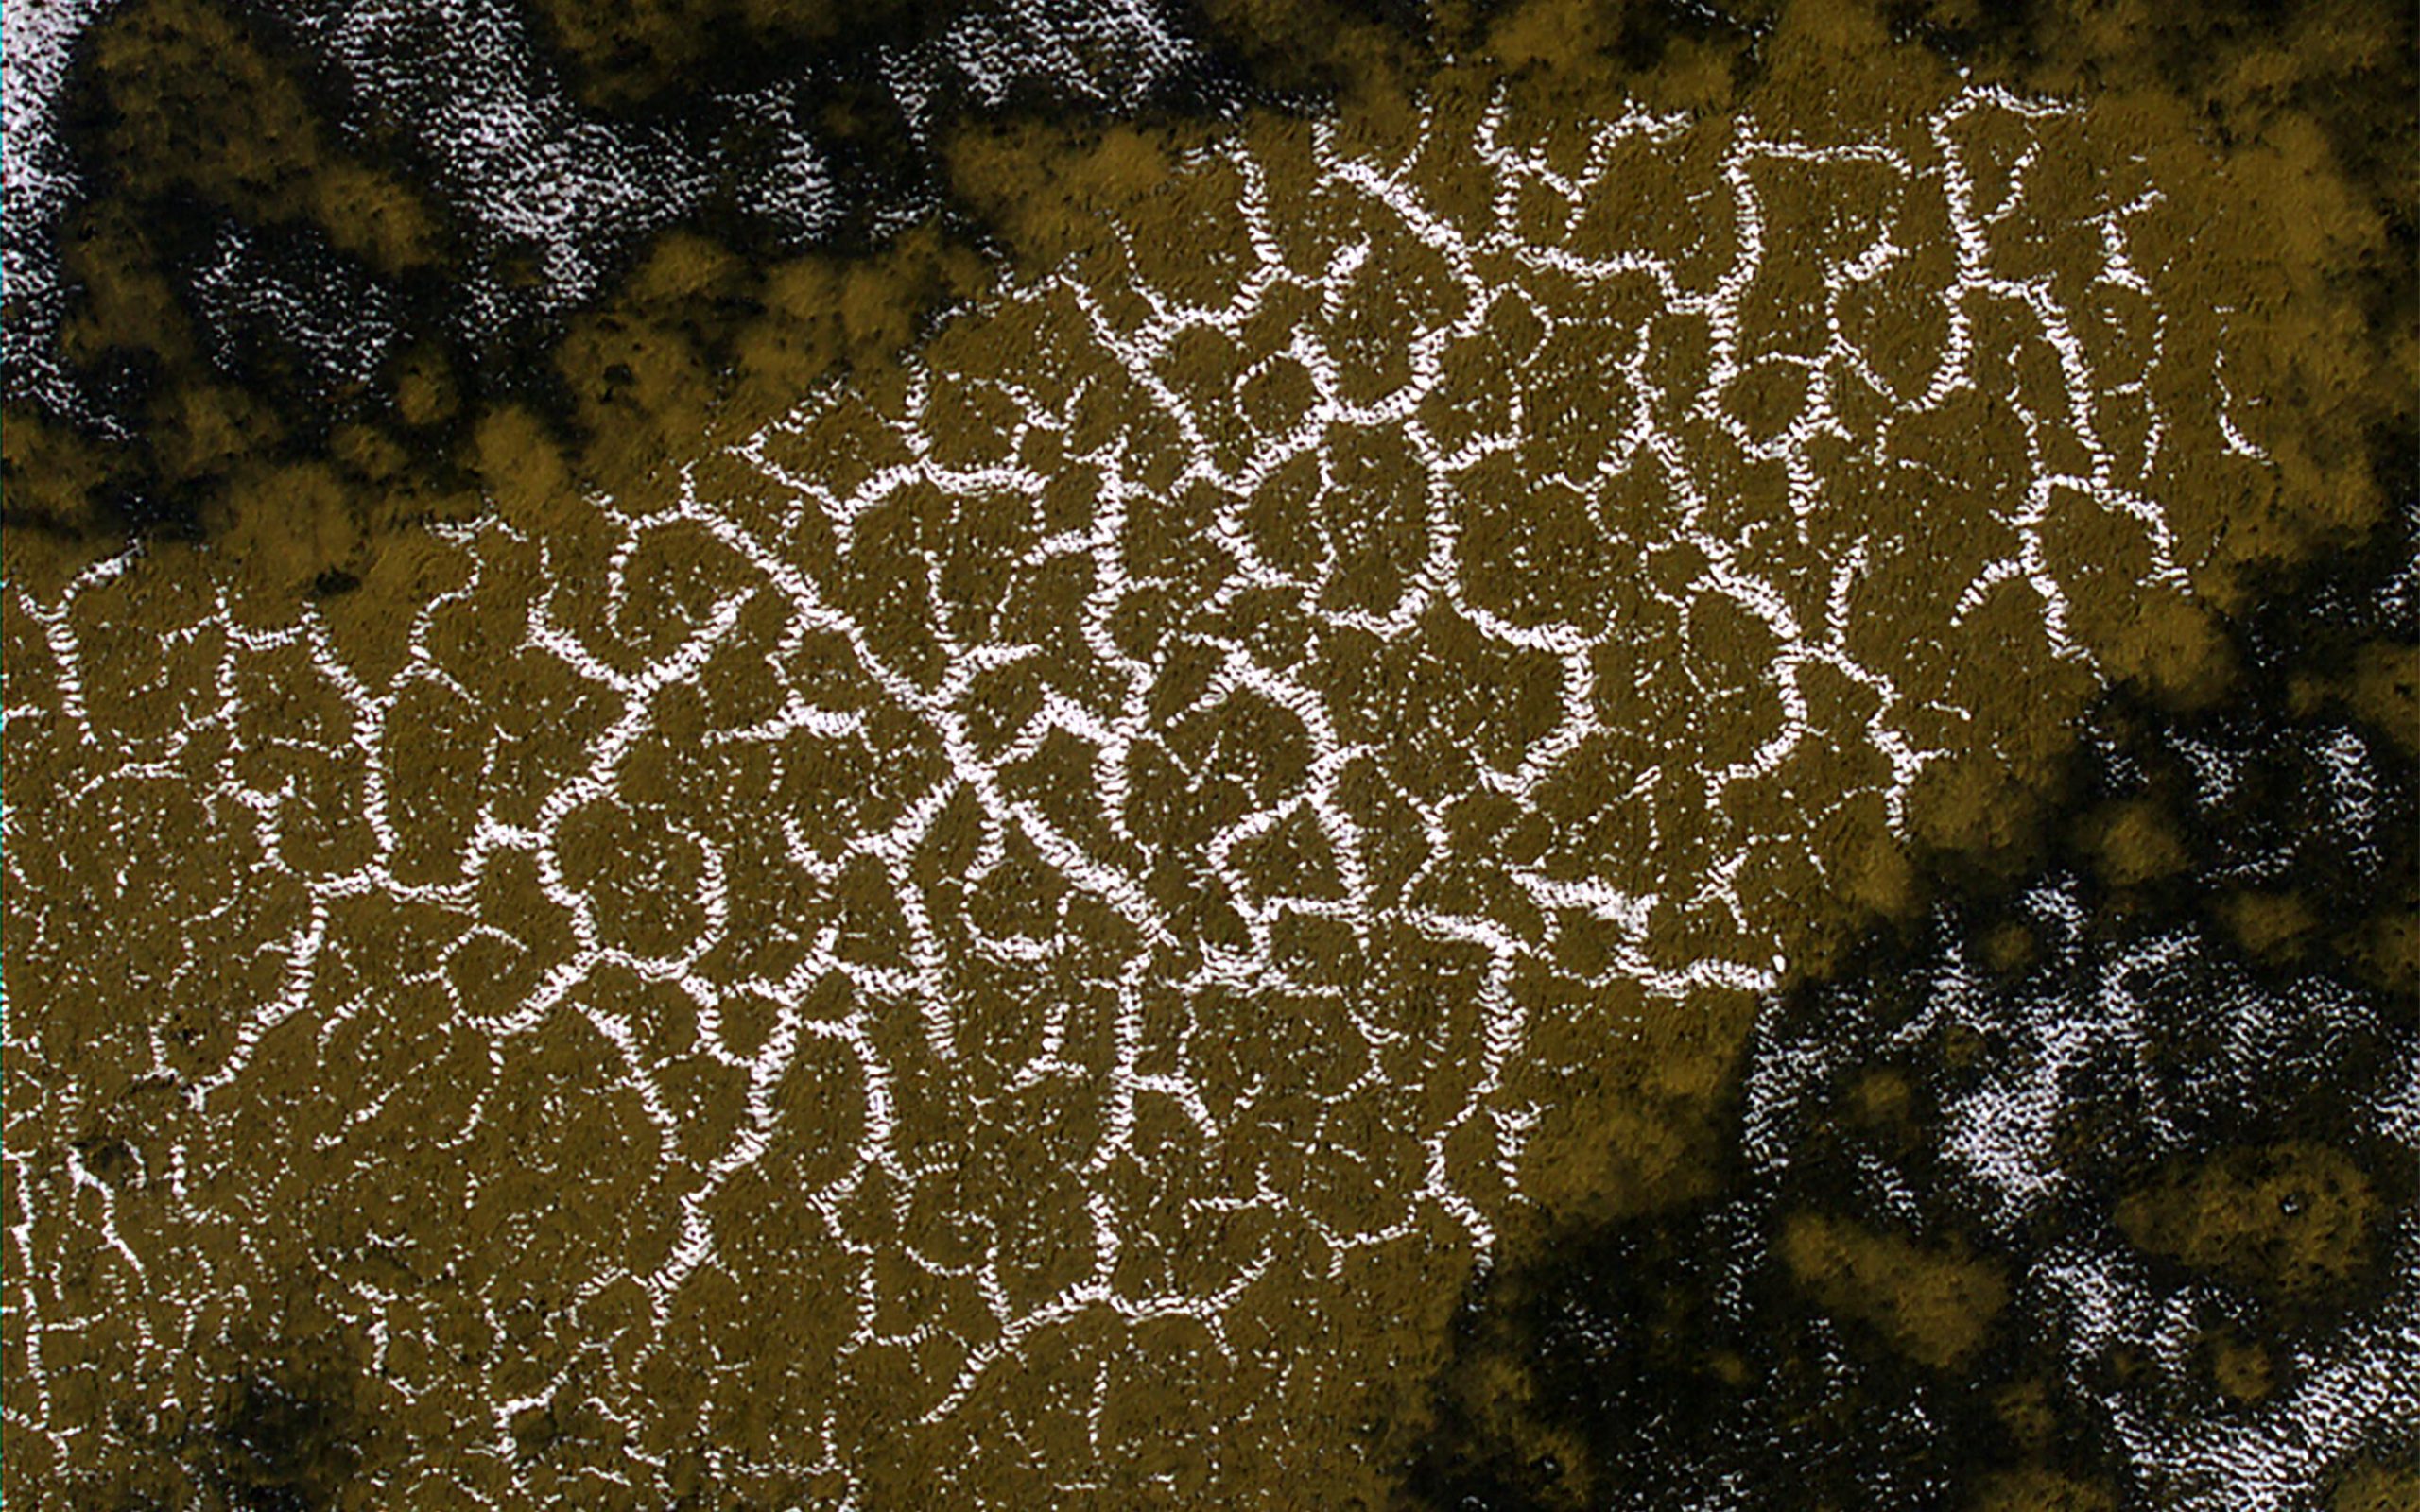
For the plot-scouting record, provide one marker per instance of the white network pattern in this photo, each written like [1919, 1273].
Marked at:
[1149, 652]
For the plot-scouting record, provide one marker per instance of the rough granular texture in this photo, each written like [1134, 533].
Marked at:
[1015, 934]
[2098, 1192]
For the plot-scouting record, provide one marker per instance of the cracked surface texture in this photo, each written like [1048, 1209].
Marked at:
[1029, 927]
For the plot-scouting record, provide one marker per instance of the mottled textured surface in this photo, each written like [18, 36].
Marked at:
[1401, 821]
